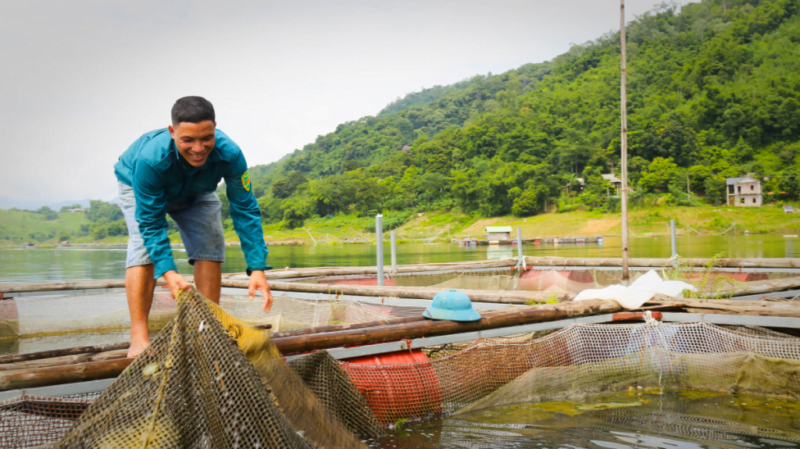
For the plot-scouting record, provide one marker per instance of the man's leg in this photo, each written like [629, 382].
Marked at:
[139, 282]
[208, 277]
[200, 226]
[139, 285]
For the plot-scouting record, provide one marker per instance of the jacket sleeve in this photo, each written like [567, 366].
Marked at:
[246, 215]
[151, 214]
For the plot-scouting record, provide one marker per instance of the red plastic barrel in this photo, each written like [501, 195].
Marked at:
[398, 385]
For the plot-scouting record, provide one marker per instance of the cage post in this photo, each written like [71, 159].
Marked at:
[673, 242]
[394, 252]
[624, 144]
[519, 248]
[379, 242]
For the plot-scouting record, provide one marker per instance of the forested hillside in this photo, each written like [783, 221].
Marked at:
[713, 93]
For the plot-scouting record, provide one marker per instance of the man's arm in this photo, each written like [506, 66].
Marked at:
[247, 223]
[151, 214]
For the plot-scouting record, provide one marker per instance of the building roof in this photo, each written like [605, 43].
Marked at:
[498, 229]
[746, 178]
[611, 178]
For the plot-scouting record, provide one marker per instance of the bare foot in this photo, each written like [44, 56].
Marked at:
[138, 344]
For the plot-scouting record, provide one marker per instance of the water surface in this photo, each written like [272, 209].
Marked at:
[82, 263]
[673, 420]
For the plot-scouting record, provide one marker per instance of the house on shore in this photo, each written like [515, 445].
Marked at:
[615, 182]
[744, 192]
[495, 233]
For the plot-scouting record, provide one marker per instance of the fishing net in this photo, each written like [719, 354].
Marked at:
[546, 280]
[36, 323]
[202, 387]
[210, 380]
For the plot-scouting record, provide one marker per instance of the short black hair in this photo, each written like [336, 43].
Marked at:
[192, 110]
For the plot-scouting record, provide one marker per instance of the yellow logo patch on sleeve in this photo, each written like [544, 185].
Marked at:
[246, 180]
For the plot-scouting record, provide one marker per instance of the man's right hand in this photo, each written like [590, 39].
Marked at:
[176, 282]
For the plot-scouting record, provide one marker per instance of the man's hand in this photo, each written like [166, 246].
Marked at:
[176, 282]
[258, 281]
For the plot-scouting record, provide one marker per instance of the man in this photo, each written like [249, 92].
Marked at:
[175, 171]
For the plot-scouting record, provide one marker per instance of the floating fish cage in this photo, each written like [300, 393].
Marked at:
[201, 387]
[553, 280]
[468, 381]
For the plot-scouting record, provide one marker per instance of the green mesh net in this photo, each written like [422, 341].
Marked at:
[209, 380]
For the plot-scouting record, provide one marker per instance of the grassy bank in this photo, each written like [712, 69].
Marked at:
[652, 221]
[440, 226]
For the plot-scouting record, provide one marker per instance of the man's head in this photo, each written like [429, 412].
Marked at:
[192, 129]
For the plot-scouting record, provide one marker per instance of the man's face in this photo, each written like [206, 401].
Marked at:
[194, 141]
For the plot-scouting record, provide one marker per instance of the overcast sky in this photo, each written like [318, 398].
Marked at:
[80, 80]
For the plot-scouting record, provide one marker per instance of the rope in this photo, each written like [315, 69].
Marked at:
[649, 320]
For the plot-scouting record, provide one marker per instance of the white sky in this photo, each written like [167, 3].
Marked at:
[80, 80]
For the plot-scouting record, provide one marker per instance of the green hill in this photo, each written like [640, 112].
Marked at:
[713, 93]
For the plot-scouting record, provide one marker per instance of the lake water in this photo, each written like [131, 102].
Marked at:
[83, 263]
[673, 420]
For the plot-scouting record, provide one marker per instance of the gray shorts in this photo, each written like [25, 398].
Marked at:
[199, 224]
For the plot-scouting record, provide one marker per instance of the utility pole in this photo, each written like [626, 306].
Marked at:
[624, 144]
[688, 192]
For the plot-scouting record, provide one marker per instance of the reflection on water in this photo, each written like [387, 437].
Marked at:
[40, 265]
[674, 420]
[45, 343]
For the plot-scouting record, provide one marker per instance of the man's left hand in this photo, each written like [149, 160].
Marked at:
[258, 281]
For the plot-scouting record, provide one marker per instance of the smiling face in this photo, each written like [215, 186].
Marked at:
[194, 141]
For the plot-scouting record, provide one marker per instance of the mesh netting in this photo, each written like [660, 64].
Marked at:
[585, 360]
[30, 324]
[28, 421]
[209, 380]
[571, 364]
[548, 280]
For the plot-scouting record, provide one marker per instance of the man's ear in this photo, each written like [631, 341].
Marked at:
[171, 131]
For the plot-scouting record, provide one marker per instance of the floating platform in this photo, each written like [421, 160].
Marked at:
[534, 241]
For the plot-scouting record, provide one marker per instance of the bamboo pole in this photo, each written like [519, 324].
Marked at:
[508, 317]
[342, 327]
[66, 360]
[272, 274]
[13, 358]
[662, 263]
[502, 297]
[28, 378]
[765, 286]
[624, 143]
[752, 308]
[41, 377]
[368, 324]
[503, 263]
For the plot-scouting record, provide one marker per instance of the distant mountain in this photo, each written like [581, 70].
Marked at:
[8, 203]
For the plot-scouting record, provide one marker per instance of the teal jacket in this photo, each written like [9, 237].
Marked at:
[158, 174]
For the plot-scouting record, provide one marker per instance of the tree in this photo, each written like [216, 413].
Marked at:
[789, 183]
[658, 174]
[99, 232]
[116, 228]
[714, 187]
[47, 213]
[67, 208]
[530, 202]
[282, 189]
[102, 212]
